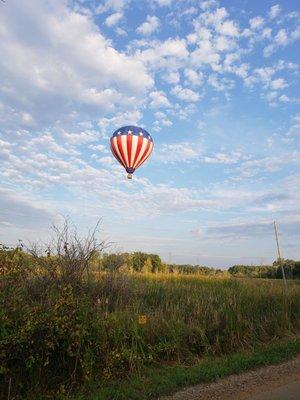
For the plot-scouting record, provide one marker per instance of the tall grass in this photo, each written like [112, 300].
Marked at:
[56, 335]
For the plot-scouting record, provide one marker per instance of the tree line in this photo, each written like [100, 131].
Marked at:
[148, 263]
[291, 269]
[152, 263]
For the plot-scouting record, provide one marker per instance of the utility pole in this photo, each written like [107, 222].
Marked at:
[279, 256]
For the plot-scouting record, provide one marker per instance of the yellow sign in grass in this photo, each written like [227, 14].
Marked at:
[142, 319]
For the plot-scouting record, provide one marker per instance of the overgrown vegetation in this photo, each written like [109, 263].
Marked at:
[65, 322]
[168, 378]
[151, 263]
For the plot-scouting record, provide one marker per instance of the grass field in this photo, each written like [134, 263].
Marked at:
[60, 337]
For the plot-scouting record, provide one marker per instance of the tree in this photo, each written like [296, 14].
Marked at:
[156, 263]
[138, 260]
[148, 266]
[296, 273]
[113, 262]
[288, 267]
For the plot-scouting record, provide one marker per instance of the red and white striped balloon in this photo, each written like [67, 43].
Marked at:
[131, 146]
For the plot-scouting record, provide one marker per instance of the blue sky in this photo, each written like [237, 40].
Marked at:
[216, 83]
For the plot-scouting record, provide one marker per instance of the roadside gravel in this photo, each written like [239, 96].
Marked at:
[243, 386]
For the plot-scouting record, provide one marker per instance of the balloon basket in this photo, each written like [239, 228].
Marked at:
[129, 176]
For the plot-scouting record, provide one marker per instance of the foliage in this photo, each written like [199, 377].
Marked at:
[144, 262]
[253, 271]
[165, 379]
[291, 269]
[151, 263]
[113, 262]
[62, 324]
[56, 335]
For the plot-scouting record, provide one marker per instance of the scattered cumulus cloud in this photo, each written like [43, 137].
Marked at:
[202, 78]
[256, 22]
[113, 19]
[159, 100]
[150, 26]
[58, 79]
[274, 11]
[185, 94]
[163, 2]
[114, 5]
[179, 152]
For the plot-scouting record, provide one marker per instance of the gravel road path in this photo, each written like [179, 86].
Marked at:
[275, 382]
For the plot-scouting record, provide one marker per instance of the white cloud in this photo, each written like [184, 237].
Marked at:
[294, 130]
[113, 19]
[150, 26]
[224, 158]
[185, 94]
[159, 124]
[266, 33]
[191, 38]
[268, 164]
[205, 54]
[60, 75]
[98, 147]
[206, 4]
[279, 83]
[190, 11]
[47, 143]
[115, 5]
[271, 97]
[264, 77]
[245, 228]
[120, 31]
[178, 152]
[80, 138]
[256, 22]
[159, 99]
[215, 17]
[274, 11]
[163, 2]
[284, 98]
[23, 211]
[27, 118]
[222, 43]
[228, 28]
[108, 125]
[215, 35]
[162, 120]
[107, 160]
[170, 54]
[281, 39]
[268, 50]
[194, 77]
[61, 65]
[171, 77]
[220, 84]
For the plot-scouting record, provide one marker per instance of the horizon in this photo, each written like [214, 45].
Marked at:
[215, 83]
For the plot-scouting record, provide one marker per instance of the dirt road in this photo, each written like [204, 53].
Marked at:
[291, 391]
[276, 382]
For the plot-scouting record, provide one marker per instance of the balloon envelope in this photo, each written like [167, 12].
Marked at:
[131, 146]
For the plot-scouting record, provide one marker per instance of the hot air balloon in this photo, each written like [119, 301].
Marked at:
[131, 146]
